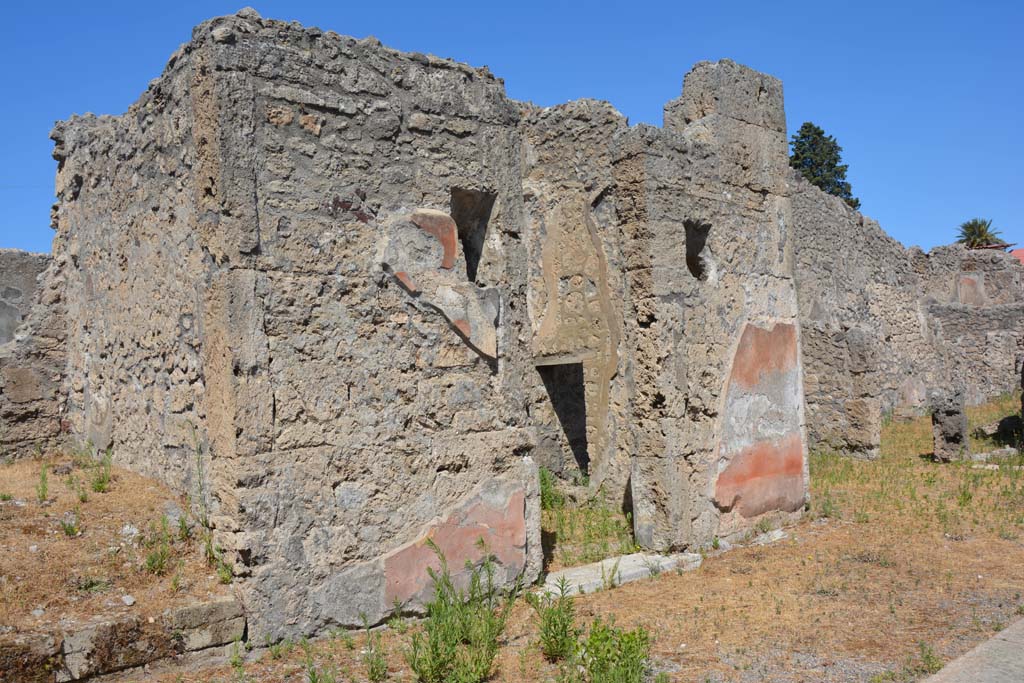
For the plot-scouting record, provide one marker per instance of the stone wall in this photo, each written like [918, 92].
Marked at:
[33, 358]
[883, 324]
[718, 407]
[347, 298]
[19, 273]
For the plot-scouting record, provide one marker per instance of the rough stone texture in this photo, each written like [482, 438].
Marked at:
[882, 325]
[949, 424]
[33, 365]
[709, 254]
[348, 299]
[106, 645]
[29, 657]
[19, 272]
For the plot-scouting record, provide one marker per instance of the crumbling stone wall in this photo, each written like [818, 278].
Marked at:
[32, 364]
[718, 409]
[19, 272]
[258, 321]
[577, 292]
[347, 297]
[883, 324]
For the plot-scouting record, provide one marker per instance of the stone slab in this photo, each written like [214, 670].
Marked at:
[998, 660]
[616, 571]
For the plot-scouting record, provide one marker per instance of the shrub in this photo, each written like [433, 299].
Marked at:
[459, 639]
[611, 655]
[558, 631]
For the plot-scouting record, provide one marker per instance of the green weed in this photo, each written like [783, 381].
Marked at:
[612, 655]
[69, 524]
[374, 656]
[550, 497]
[42, 488]
[459, 638]
[557, 612]
[101, 475]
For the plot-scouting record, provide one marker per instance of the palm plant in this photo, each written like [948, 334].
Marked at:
[978, 232]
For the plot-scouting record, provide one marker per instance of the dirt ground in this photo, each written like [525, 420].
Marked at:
[900, 565]
[89, 540]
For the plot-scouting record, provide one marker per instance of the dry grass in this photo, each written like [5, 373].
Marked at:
[72, 558]
[900, 565]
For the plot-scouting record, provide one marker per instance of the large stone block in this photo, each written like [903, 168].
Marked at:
[949, 424]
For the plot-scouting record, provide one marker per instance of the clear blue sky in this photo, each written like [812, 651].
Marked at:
[926, 98]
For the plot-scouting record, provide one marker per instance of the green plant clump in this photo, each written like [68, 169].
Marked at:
[374, 657]
[42, 488]
[100, 481]
[550, 497]
[459, 639]
[611, 655]
[558, 631]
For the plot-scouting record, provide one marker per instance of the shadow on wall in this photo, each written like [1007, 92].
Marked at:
[696, 239]
[565, 387]
[471, 210]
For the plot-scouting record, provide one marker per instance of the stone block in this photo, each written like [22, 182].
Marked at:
[28, 657]
[949, 424]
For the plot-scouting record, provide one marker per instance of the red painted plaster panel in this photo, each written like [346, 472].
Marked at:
[503, 531]
[762, 351]
[441, 226]
[766, 476]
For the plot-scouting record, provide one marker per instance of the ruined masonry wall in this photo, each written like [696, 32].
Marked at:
[336, 293]
[883, 324]
[718, 408]
[380, 379]
[33, 359]
[19, 271]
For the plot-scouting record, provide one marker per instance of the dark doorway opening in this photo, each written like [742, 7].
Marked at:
[471, 210]
[565, 388]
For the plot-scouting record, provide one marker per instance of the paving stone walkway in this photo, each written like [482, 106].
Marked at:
[998, 660]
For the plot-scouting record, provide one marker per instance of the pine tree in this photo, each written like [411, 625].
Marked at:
[817, 157]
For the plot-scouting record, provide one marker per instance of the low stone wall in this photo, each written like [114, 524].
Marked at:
[105, 645]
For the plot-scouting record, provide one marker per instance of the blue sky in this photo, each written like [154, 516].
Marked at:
[926, 98]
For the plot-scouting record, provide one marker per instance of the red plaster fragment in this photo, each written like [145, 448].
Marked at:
[768, 475]
[763, 351]
[503, 532]
[441, 226]
[406, 281]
